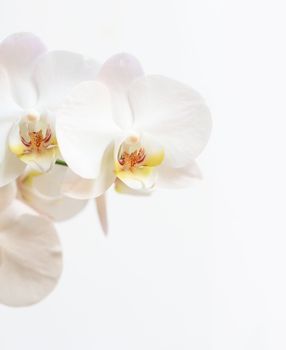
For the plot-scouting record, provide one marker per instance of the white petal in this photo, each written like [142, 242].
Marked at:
[118, 72]
[18, 53]
[85, 128]
[100, 203]
[174, 113]
[140, 179]
[9, 110]
[48, 184]
[7, 195]
[121, 188]
[30, 257]
[10, 166]
[43, 193]
[58, 72]
[169, 177]
[43, 161]
[77, 187]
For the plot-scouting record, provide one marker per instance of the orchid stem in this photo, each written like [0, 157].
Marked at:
[61, 162]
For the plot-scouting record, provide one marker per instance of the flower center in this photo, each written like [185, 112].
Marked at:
[130, 160]
[33, 141]
[36, 141]
[35, 134]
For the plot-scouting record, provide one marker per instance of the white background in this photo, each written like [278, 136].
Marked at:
[203, 268]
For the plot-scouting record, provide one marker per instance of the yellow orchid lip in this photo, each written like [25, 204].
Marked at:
[134, 155]
[136, 162]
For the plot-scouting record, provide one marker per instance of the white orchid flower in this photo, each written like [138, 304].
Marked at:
[33, 83]
[30, 253]
[137, 131]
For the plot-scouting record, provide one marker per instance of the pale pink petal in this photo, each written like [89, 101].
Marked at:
[118, 72]
[57, 73]
[43, 193]
[30, 256]
[18, 53]
[7, 195]
[101, 207]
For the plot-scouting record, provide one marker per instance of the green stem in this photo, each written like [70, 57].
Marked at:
[61, 162]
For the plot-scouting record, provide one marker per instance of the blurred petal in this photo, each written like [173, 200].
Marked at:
[169, 177]
[76, 187]
[174, 113]
[18, 53]
[30, 256]
[7, 195]
[118, 72]
[43, 193]
[58, 72]
[100, 203]
[48, 184]
[85, 128]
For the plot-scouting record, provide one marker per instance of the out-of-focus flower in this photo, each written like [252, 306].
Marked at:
[33, 83]
[43, 193]
[137, 131]
[30, 252]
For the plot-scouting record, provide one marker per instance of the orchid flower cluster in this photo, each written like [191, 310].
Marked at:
[70, 129]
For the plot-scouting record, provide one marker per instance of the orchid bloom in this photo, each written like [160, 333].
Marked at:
[136, 131]
[33, 83]
[30, 253]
